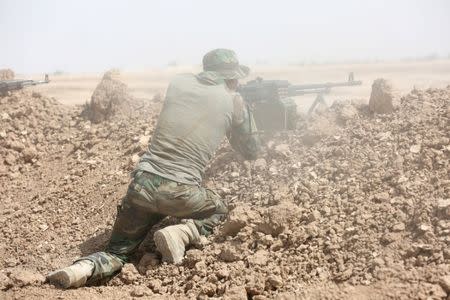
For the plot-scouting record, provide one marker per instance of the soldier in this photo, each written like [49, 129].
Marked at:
[198, 112]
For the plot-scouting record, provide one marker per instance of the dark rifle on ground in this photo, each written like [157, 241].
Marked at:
[273, 107]
[18, 84]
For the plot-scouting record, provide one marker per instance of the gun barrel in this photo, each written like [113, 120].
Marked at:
[11, 85]
[298, 88]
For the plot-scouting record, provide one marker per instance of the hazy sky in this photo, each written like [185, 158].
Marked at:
[89, 35]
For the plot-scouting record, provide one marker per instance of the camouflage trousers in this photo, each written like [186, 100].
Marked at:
[149, 199]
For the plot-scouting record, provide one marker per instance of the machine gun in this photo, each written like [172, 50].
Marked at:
[18, 84]
[273, 107]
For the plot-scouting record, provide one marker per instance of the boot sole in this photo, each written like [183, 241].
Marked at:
[164, 246]
[59, 279]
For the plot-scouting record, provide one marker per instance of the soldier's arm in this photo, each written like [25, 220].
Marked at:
[243, 135]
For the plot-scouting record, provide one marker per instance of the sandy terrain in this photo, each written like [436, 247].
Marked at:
[349, 205]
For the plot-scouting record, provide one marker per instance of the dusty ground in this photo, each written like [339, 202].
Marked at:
[348, 206]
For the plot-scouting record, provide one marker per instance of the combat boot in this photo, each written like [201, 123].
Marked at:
[171, 241]
[72, 276]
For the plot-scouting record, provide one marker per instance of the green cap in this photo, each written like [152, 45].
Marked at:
[224, 62]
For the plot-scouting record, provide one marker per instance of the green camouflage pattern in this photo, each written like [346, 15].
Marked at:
[225, 63]
[149, 199]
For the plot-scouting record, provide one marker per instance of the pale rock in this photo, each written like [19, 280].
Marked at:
[22, 277]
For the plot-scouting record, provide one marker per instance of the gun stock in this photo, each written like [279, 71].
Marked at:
[18, 84]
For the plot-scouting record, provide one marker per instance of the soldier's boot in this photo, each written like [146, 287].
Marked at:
[171, 241]
[72, 276]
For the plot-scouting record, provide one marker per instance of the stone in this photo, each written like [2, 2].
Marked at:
[148, 261]
[445, 283]
[314, 216]
[260, 164]
[129, 274]
[398, 227]
[415, 148]
[443, 203]
[235, 293]
[5, 282]
[282, 150]
[229, 254]
[29, 154]
[110, 97]
[10, 159]
[223, 273]
[274, 281]
[17, 146]
[238, 218]
[23, 277]
[140, 291]
[381, 98]
[260, 258]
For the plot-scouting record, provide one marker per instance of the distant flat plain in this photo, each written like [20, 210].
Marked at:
[73, 89]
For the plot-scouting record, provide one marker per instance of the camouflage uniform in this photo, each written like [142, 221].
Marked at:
[197, 115]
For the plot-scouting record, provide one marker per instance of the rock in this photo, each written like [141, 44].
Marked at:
[235, 293]
[238, 218]
[129, 274]
[229, 254]
[314, 216]
[259, 258]
[5, 282]
[110, 97]
[192, 257]
[445, 283]
[282, 150]
[10, 159]
[134, 159]
[274, 281]
[155, 285]
[5, 116]
[29, 154]
[278, 217]
[17, 146]
[148, 261]
[381, 98]
[260, 164]
[443, 203]
[345, 110]
[223, 273]
[143, 141]
[414, 149]
[22, 277]
[140, 291]
[381, 197]
[398, 227]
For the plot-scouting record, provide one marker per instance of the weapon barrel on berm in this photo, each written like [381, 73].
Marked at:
[18, 84]
[272, 102]
[314, 88]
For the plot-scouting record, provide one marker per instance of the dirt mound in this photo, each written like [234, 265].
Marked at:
[31, 125]
[110, 98]
[6, 74]
[382, 99]
[362, 210]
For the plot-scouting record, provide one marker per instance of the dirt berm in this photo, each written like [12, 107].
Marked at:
[351, 205]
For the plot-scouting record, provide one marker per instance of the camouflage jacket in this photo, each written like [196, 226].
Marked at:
[196, 116]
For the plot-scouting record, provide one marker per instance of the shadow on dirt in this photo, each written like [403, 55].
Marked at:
[95, 243]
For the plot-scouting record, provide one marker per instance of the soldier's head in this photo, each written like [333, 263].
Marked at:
[225, 64]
